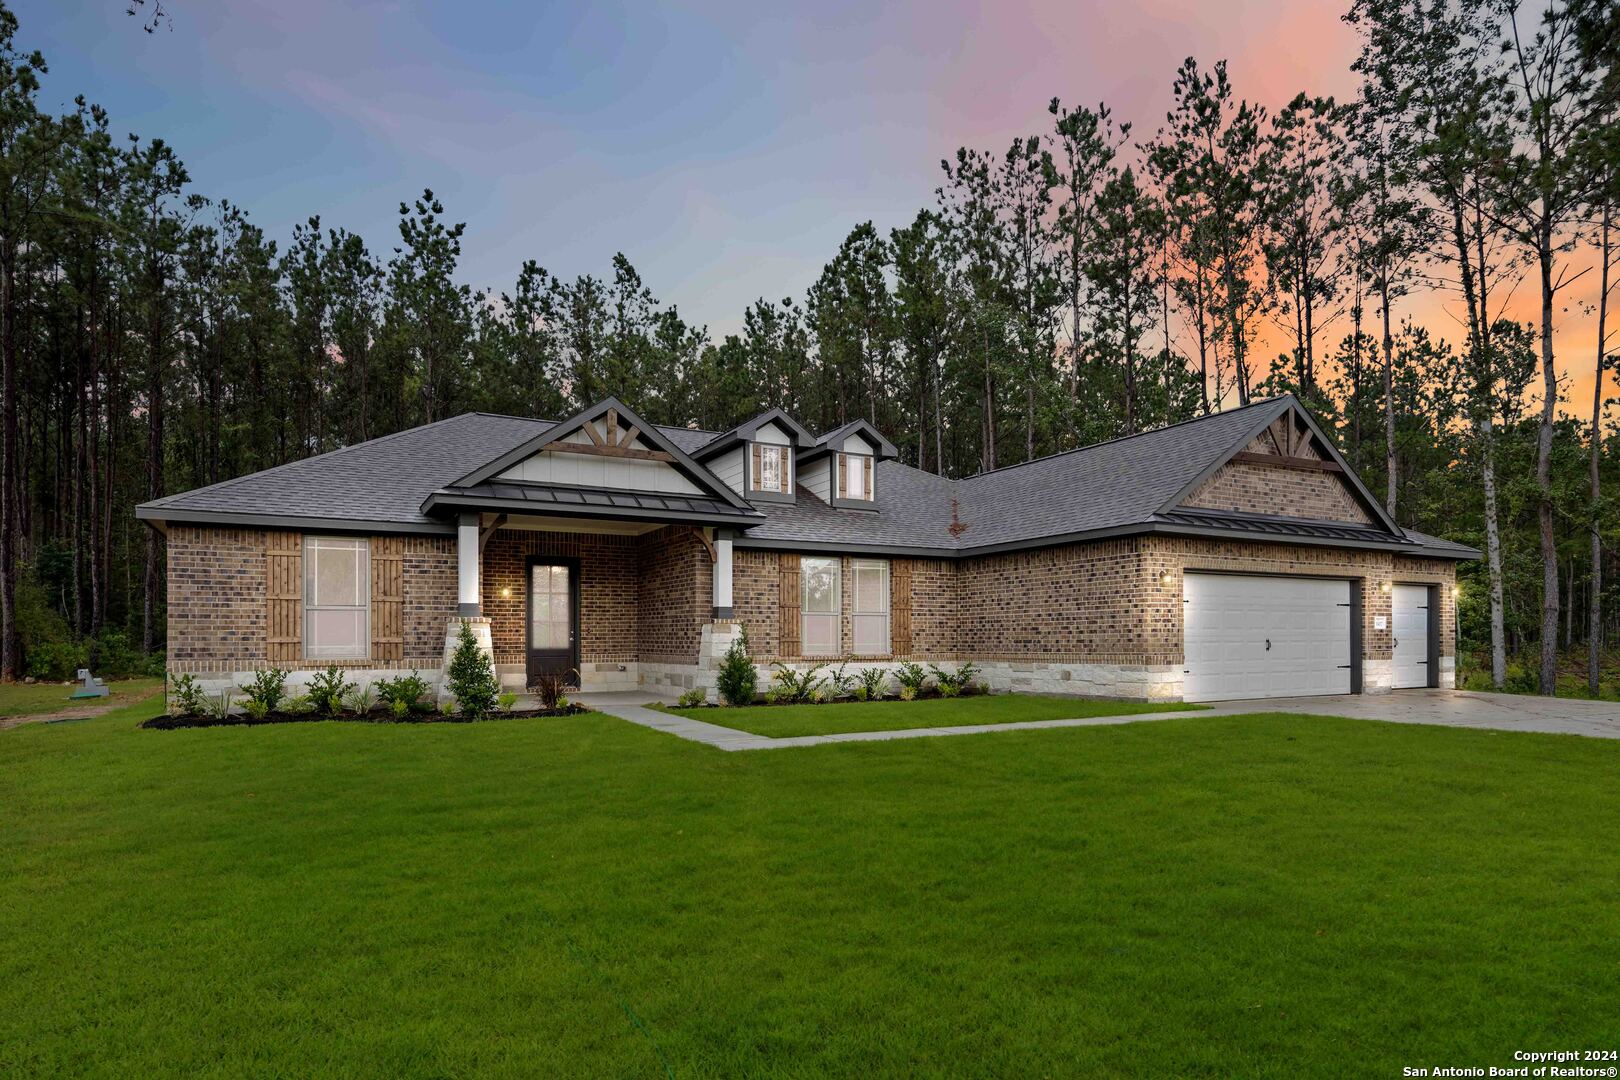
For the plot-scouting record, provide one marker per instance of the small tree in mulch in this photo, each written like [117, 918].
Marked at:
[737, 680]
[472, 676]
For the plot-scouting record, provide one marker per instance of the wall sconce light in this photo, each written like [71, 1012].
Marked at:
[1384, 587]
[1167, 578]
[506, 592]
[1456, 591]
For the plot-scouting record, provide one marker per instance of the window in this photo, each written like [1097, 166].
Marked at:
[870, 611]
[855, 476]
[821, 608]
[337, 598]
[771, 469]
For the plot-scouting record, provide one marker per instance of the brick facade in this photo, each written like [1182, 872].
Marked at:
[216, 598]
[1265, 489]
[675, 597]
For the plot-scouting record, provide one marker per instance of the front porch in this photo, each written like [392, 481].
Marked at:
[611, 605]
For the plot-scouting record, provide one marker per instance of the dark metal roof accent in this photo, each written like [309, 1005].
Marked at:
[522, 498]
[1279, 526]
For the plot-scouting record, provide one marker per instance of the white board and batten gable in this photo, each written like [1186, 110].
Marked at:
[585, 470]
[732, 467]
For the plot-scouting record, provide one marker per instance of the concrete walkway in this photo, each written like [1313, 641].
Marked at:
[1446, 708]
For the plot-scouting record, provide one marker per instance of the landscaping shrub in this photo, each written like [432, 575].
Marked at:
[186, 696]
[911, 678]
[796, 686]
[402, 693]
[840, 684]
[360, 700]
[951, 684]
[472, 676]
[218, 706]
[693, 698]
[874, 683]
[265, 693]
[738, 682]
[549, 688]
[326, 691]
[505, 701]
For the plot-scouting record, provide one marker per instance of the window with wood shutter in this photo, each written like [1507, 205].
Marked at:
[823, 613]
[855, 476]
[337, 604]
[869, 607]
[772, 471]
[788, 605]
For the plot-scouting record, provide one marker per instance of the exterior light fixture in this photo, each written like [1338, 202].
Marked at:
[506, 592]
[1384, 587]
[1167, 578]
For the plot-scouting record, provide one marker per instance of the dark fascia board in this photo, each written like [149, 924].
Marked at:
[449, 500]
[784, 497]
[745, 432]
[694, 472]
[886, 449]
[1149, 528]
[168, 515]
[1280, 406]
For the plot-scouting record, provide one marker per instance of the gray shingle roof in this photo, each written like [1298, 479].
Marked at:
[1121, 485]
[381, 480]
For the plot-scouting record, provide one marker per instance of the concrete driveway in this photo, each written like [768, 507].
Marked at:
[1456, 708]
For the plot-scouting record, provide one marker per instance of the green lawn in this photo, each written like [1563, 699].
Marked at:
[30, 699]
[783, 721]
[1210, 896]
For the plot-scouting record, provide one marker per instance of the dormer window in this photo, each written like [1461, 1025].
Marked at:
[855, 477]
[772, 470]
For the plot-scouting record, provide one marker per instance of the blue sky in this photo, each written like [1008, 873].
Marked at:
[726, 148]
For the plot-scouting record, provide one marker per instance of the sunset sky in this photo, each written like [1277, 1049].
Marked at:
[725, 148]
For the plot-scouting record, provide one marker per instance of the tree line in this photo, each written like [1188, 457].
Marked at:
[1091, 281]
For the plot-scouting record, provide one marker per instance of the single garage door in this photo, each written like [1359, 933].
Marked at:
[1249, 636]
[1410, 624]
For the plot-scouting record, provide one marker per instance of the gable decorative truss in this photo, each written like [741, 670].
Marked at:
[611, 430]
[1299, 443]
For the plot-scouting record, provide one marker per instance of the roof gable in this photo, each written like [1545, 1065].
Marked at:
[748, 429]
[623, 451]
[834, 440]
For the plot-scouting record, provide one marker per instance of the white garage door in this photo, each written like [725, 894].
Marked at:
[1252, 636]
[1411, 630]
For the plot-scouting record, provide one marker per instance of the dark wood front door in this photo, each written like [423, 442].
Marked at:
[553, 619]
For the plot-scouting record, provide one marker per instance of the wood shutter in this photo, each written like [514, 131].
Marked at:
[900, 607]
[868, 467]
[785, 470]
[388, 598]
[840, 475]
[755, 481]
[284, 595]
[788, 604]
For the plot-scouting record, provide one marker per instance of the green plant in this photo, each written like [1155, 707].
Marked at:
[265, 692]
[908, 693]
[504, 701]
[399, 708]
[471, 677]
[796, 686]
[737, 682]
[447, 707]
[549, 686]
[298, 705]
[910, 676]
[56, 661]
[360, 700]
[327, 690]
[693, 698]
[874, 682]
[218, 706]
[841, 683]
[186, 697]
[952, 683]
[402, 693]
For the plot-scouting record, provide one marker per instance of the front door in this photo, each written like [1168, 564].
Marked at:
[553, 619]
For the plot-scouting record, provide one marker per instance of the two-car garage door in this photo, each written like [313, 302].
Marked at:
[1254, 636]
[1250, 636]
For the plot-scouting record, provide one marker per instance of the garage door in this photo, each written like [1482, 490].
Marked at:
[1252, 636]
[1411, 629]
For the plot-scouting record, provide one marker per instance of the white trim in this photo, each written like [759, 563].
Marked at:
[312, 601]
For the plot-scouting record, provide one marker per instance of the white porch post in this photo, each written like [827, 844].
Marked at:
[467, 595]
[722, 577]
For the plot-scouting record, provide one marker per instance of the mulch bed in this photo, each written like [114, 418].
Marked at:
[170, 723]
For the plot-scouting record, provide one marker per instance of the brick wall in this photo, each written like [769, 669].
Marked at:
[675, 595]
[1074, 602]
[430, 597]
[607, 591]
[755, 585]
[216, 598]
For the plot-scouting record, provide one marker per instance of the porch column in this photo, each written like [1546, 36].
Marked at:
[722, 577]
[467, 551]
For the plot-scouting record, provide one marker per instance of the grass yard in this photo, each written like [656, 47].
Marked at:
[1210, 896]
[784, 721]
[31, 699]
